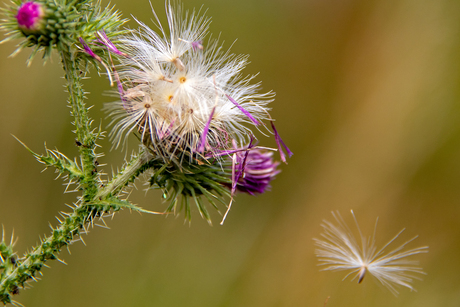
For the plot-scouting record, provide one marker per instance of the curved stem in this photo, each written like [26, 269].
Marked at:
[127, 175]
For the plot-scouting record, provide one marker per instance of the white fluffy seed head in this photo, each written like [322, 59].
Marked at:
[172, 85]
[339, 250]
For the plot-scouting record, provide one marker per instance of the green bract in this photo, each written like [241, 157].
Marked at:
[189, 181]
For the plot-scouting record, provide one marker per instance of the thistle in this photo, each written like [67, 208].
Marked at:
[339, 250]
[186, 100]
[181, 95]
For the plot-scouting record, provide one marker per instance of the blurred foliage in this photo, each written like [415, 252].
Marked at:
[368, 99]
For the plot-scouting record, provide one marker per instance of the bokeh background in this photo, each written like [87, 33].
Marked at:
[368, 99]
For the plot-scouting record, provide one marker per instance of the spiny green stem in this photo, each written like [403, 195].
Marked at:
[27, 267]
[85, 136]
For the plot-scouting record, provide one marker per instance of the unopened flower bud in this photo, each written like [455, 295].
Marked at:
[30, 16]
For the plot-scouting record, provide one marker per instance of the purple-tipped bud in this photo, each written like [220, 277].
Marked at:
[259, 170]
[30, 16]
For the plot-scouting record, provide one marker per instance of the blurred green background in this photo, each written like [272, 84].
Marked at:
[368, 99]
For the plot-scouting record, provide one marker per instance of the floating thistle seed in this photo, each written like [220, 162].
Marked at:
[339, 250]
[30, 16]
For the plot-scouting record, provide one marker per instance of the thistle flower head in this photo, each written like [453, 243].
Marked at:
[339, 250]
[30, 15]
[186, 99]
[181, 94]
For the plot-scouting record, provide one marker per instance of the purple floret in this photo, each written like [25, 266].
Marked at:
[259, 170]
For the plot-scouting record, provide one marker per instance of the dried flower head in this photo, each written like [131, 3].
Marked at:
[187, 101]
[181, 94]
[339, 250]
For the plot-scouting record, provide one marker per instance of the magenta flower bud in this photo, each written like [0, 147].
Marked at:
[30, 15]
[258, 170]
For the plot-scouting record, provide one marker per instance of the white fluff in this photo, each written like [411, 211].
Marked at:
[339, 250]
[171, 88]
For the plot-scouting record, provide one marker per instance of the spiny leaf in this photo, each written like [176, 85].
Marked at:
[115, 203]
[58, 160]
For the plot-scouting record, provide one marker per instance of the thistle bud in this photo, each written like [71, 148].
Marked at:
[30, 16]
[46, 25]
